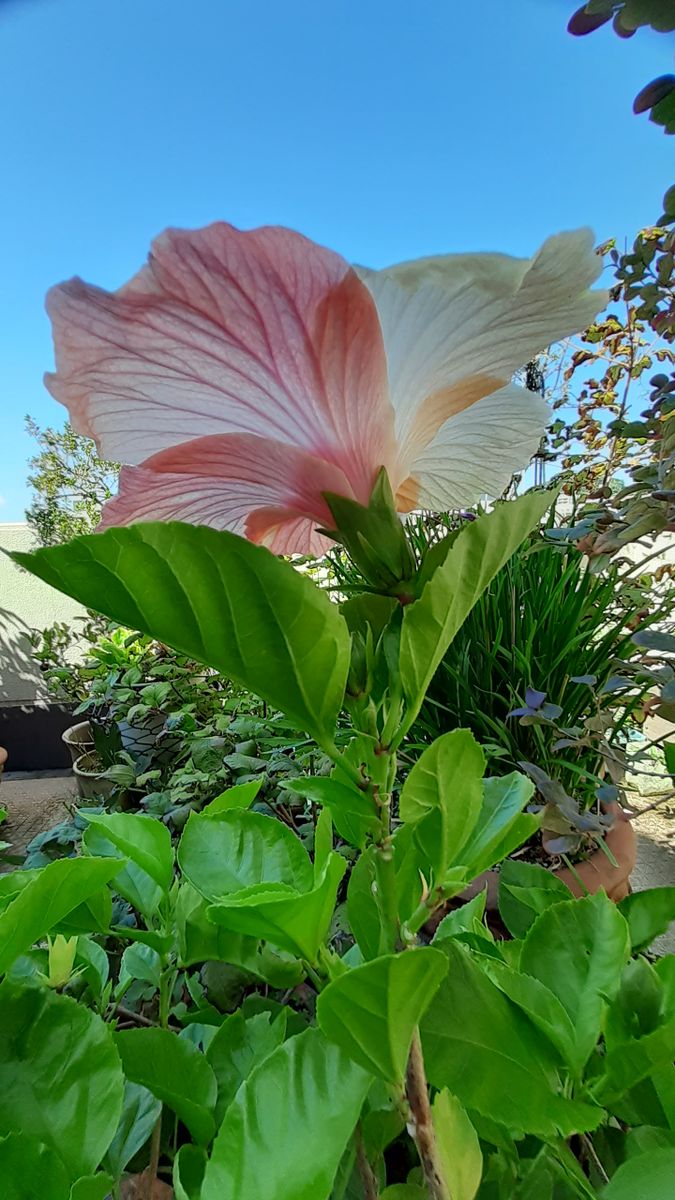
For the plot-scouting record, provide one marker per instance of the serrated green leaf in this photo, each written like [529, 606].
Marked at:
[285, 1132]
[222, 601]
[649, 1175]
[202, 941]
[60, 1076]
[353, 812]
[144, 840]
[444, 792]
[130, 880]
[50, 897]
[175, 1072]
[525, 891]
[578, 949]
[238, 1047]
[241, 795]
[492, 1058]
[648, 914]
[225, 853]
[297, 922]
[140, 1113]
[372, 1010]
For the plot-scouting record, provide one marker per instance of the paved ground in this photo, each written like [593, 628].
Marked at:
[34, 803]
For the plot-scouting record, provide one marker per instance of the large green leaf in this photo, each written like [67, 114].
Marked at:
[525, 891]
[372, 1010]
[284, 1134]
[29, 1169]
[144, 840]
[541, 1005]
[297, 922]
[238, 1046]
[130, 880]
[648, 914]
[222, 601]
[353, 812]
[91, 1187]
[473, 559]
[201, 941]
[60, 1076]
[175, 1072]
[230, 851]
[647, 1175]
[627, 1064]
[501, 814]
[445, 787]
[458, 1148]
[44, 903]
[487, 1052]
[140, 1113]
[578, 949]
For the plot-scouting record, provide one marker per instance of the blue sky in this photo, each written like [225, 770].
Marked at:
[382, 128]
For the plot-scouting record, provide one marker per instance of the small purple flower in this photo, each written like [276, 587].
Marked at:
[535, 708]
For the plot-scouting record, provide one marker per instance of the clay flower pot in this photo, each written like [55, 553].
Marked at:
[596, 873]
[3, 758]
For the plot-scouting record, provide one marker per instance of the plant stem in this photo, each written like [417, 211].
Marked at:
[385, 875]
[371, 1187]
[593, 1155]
[154, 1159]
[421, 1123]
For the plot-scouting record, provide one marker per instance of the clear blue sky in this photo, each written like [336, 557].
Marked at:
[383, 128]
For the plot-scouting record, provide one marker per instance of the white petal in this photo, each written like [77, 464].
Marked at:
[475, 453]
[456, 327]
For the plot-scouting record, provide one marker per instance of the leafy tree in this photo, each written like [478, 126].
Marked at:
[71, 484]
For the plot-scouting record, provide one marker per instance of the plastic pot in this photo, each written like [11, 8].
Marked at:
[89, 777]
[78, 738]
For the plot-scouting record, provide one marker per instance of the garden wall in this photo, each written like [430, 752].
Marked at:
[30, 728]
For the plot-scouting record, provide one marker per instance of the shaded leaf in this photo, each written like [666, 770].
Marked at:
[175, 1072]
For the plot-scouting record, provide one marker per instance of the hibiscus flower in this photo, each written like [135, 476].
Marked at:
[242, 375]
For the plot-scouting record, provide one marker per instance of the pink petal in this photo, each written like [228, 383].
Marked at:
[259, 332]
[256, 487]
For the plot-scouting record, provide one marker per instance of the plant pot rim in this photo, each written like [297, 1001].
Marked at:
[596, 873]
[79, 770]
[71, 730]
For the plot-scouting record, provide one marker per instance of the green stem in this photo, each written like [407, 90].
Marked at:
[385, 876]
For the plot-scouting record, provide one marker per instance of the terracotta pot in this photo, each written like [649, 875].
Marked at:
[78, 739]
[590, 876]
[3, 758]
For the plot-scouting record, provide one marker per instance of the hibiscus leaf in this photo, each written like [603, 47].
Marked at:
[219, 599]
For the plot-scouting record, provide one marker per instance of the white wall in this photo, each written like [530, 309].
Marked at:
[25, 603]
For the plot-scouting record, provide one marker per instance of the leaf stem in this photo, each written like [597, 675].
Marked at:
[421, 1124]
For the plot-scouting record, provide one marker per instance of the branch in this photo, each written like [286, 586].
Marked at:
[421, 1122]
